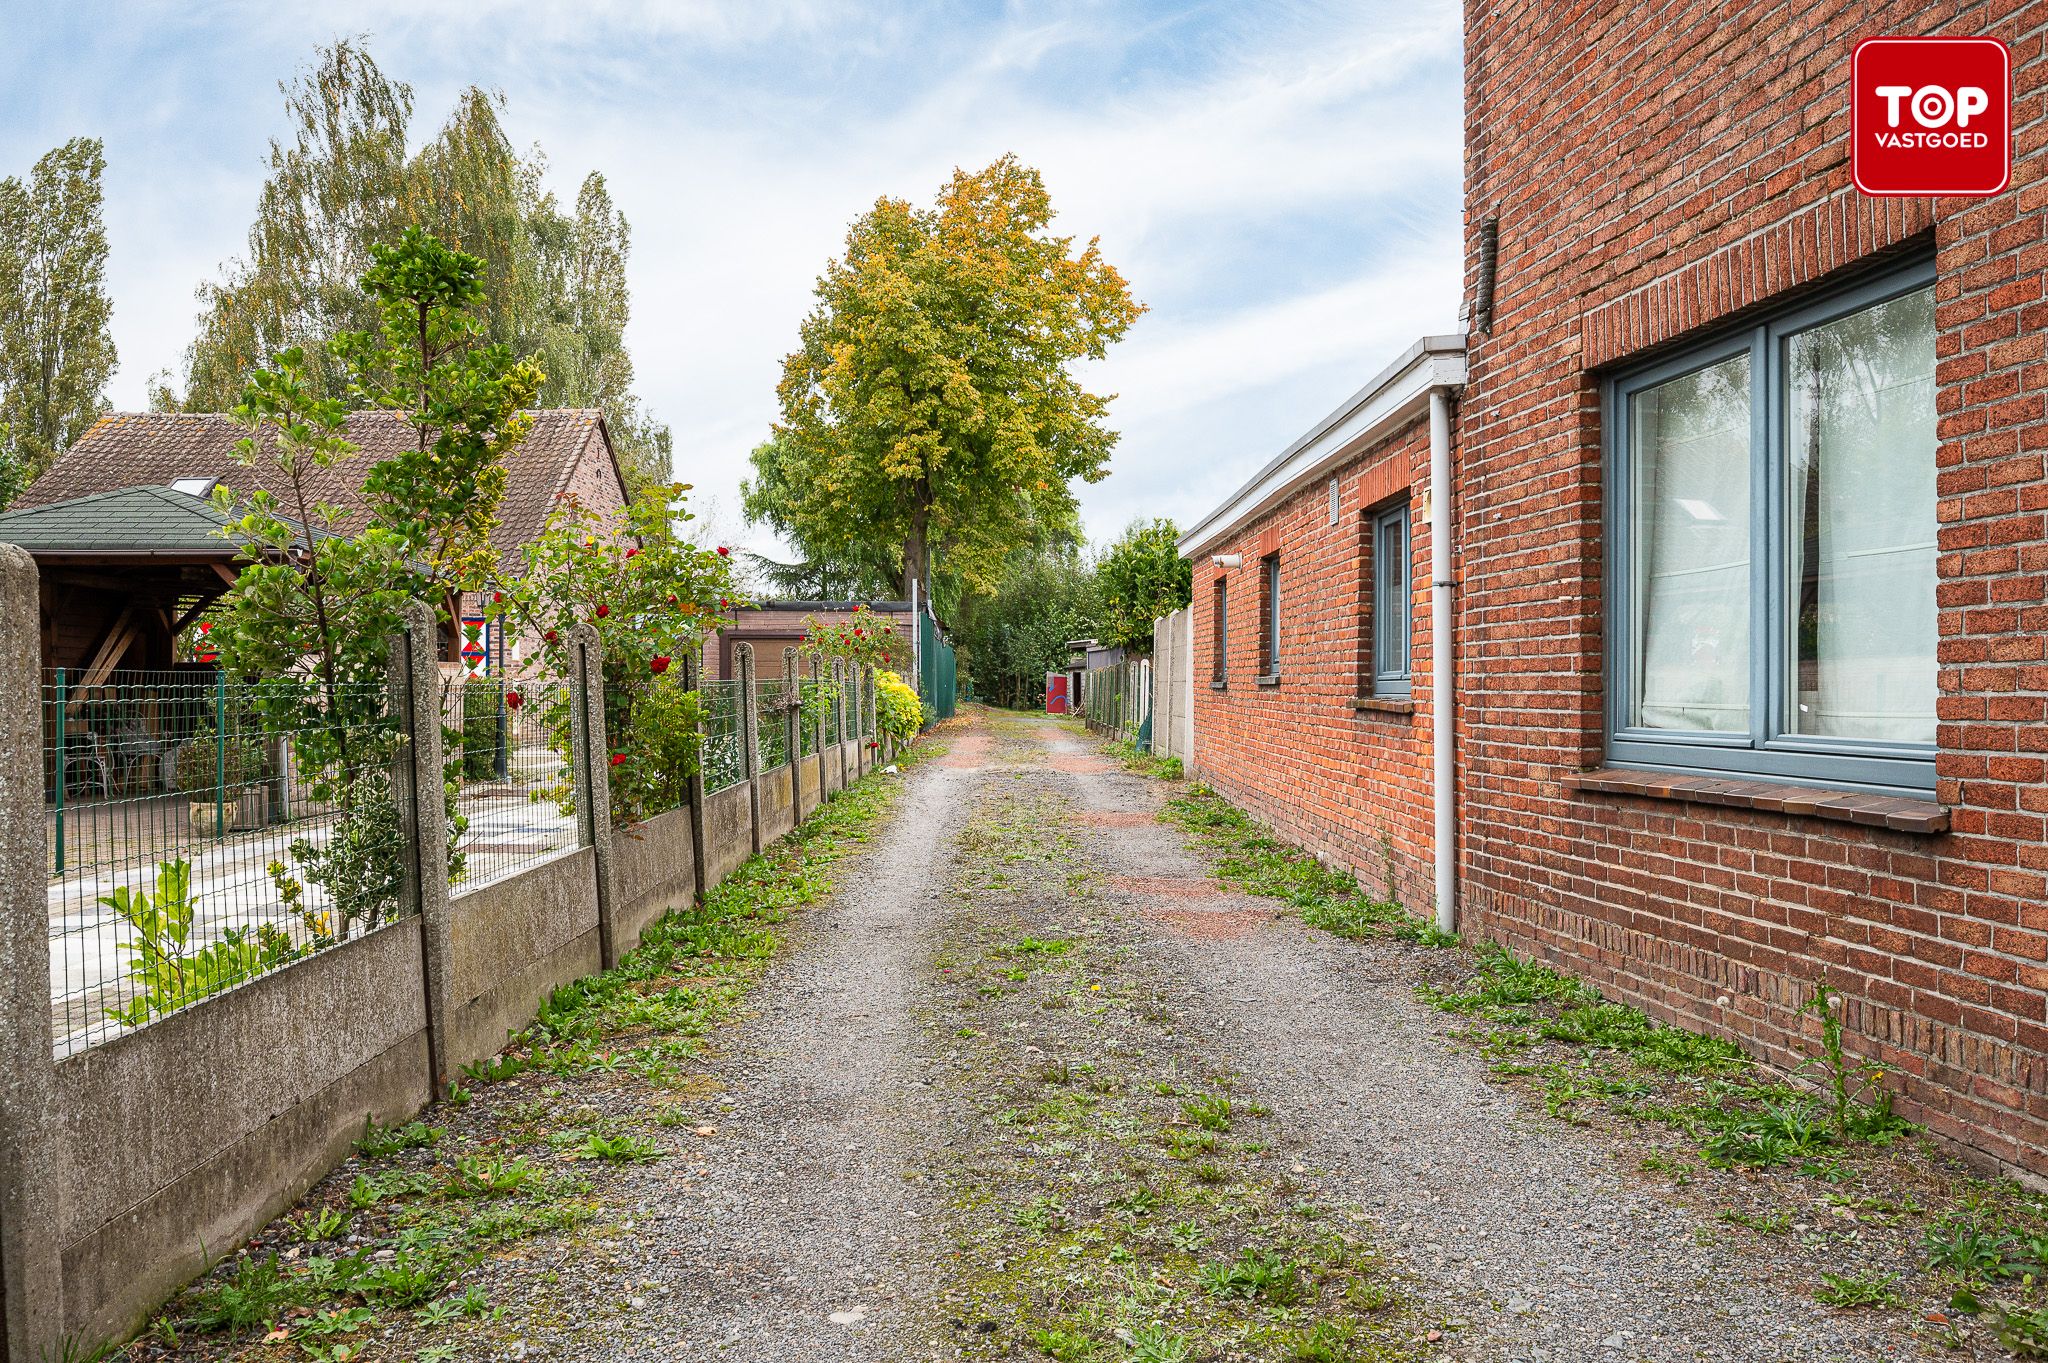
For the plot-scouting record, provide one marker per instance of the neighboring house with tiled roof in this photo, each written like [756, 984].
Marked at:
[144, 456]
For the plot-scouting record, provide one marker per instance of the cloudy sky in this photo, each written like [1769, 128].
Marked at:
[1279, 181]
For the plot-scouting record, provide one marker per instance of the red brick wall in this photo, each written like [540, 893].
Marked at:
[1351, 785]
[1656, 172]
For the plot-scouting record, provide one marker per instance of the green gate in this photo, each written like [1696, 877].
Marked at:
[937, 677]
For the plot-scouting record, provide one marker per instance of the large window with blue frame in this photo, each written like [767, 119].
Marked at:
[1771, 532]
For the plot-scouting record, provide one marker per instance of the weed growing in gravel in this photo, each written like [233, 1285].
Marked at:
[1852, 1290]
[1750, 1124]
[1253, 860]
[1135, 759]
[382, 1142]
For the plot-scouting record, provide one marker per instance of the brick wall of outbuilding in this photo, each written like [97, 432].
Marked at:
[1351, 785]
[1656, 171]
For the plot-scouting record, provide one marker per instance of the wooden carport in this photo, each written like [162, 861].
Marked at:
[123, 573]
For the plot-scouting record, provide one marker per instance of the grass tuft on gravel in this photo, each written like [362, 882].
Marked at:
[1254, 860]
[1136, 759]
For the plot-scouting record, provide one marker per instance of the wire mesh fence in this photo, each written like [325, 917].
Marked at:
[811, 716]
[193, 846]
[725, 740]
[515, 796]
[771, 723]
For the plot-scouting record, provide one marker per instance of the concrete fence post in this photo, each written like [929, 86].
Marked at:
[792, 721]
[818, 724]
[750, 733]
[693, 679]
[418, 786]
[31, 1276]
[840, 672]
[874, 729]
[592, 752]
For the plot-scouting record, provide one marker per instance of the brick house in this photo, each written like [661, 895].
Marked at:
[1751, 560]
[1313, 706]
[568, 452]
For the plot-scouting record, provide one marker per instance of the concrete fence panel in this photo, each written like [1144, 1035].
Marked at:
[176, 1140]
[515, 940]
[656, 869]
[728, 831]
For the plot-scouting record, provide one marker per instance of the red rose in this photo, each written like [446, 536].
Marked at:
[723, 552]
[603, 611]
[631, 552]
[671, 598]
[618, 759]
[551, 636]
[658, 664]
[496, 597]
[513, 700]
[860, 634]
[724, 603]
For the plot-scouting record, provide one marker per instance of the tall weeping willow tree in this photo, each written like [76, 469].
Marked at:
[342, 179]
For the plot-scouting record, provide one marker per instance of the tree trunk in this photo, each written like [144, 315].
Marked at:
[917, 553]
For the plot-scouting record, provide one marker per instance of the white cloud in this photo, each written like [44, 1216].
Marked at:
[1279, 183]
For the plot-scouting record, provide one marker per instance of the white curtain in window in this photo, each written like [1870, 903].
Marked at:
[1690, 444]
[1861, 519]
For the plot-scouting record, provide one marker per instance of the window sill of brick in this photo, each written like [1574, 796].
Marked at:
[1219, 686]
[1383, 705]
[1895, 812]
[1270, 679]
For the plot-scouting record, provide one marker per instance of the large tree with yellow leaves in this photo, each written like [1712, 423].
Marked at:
[934, 409]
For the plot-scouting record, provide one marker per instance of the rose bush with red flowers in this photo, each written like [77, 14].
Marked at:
[653, 597]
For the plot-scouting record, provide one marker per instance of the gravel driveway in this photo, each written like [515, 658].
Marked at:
[1031, 1084]
[799, 1237]
[1522, 1227]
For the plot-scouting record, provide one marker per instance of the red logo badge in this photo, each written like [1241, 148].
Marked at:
[1930, 116]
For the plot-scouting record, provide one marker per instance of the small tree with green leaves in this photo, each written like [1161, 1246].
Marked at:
[312, 613]
[1141, 578]
[465, 399]
[309, 620]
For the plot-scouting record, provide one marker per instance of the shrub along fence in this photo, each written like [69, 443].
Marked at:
[1117, 700]
[132, 1146]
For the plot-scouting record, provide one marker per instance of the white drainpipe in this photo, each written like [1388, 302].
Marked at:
[1442, 693]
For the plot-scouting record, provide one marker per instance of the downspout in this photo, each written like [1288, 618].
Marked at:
[1442, 672]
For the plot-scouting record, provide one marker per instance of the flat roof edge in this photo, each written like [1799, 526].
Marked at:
[1388, 401]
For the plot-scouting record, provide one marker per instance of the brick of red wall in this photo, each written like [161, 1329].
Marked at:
[1657, 172]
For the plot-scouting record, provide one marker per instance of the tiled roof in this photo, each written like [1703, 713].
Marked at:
[154, 449]
[136, 520]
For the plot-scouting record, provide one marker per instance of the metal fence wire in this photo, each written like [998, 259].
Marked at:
[817, 695]
[771, 723]
[1117, 699]
[515, 791]
[190, 849]
[725, 743]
